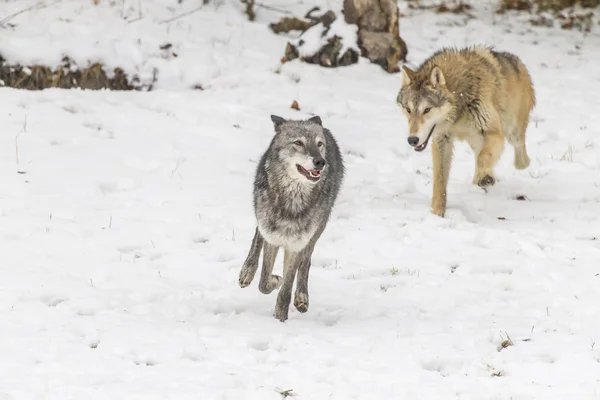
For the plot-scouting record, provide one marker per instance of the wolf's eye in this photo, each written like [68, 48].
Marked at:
[320, 144]
[425, 111]
[299, 143]
[407, 109]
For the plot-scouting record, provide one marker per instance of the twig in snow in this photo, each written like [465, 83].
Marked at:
[176, 166]
[250, 10]
[23, 11]
[134, 20]
[273, 9]
[308, 15]
[506, 342]
[24, 129]
[185, 14]
[286, 393]
[266, 7]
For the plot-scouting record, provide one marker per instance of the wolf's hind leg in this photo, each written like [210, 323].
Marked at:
[251, 264]
[269, 282]
[515, 122]
[522, 159]
[517, 139]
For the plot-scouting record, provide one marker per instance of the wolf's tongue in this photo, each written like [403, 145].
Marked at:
[314, 172]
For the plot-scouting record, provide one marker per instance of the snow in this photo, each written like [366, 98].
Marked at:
[125, 218]
[311, 41]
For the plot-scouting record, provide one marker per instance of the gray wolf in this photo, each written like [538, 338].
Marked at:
[472, 94]
[296, 185]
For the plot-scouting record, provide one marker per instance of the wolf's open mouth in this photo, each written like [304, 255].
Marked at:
[422, 147]
[312, 175]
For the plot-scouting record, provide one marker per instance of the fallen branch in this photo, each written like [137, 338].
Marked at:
[287, 24]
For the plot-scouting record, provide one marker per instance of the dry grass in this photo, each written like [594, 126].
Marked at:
[568, 155]
[546, 5]
[444, 6]
[569, 14]
[286, 393]
[506, 342]
[39, 77]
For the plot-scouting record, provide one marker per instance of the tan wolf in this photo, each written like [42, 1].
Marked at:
[473, 94]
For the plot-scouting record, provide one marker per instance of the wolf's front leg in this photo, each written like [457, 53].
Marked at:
[301, 295]
[251, 264]
[491, 150]
[269, 282]
[493, 146]
[284, 297]
[441, 152]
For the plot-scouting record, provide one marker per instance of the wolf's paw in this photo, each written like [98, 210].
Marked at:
[281, 313]
[301, 302]
[246, 277]
[274, 282]
[522, 162]
[486, 181]
[438, 211]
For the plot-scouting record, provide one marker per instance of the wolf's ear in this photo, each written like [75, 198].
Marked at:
[277, 121]
[408, 76]
[316, 119]
[437, 77]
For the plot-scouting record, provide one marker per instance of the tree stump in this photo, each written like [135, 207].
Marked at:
[370, 28]
[378, 31]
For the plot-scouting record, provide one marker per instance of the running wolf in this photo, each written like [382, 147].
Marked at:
[473, 94]
[297, 182]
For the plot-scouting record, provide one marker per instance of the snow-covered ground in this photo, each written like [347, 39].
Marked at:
[125, 218]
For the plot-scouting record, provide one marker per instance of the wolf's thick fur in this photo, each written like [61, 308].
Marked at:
[297, 182]
[474, 94]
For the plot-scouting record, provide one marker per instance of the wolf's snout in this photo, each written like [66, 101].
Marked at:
[319, 162]
[413, 140]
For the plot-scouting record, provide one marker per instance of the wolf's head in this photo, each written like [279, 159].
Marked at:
[299, 148]
[424, 100]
